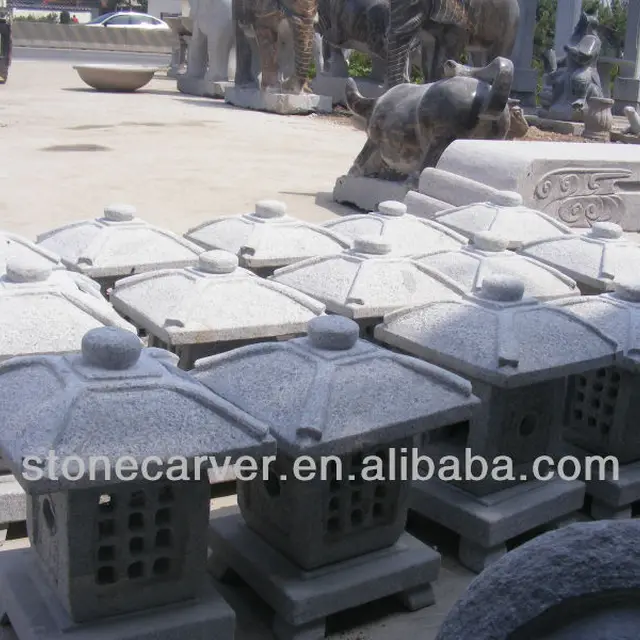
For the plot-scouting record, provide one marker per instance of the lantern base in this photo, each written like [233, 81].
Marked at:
[303, 599]
[32, 609]
[485, 524]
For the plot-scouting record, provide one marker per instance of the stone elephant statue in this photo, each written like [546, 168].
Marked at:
[450, 26]
[262, 20]
[5, 45]
[409, 127]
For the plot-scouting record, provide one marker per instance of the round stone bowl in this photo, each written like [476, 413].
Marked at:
[115, 77]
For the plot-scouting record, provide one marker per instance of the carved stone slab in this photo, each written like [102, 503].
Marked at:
[285, 104]
[579, 184]
[202, 87]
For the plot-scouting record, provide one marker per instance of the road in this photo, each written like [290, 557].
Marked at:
[79, 56]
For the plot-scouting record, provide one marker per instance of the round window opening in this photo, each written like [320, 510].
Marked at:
[528, 425]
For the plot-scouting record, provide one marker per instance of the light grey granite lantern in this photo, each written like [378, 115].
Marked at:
[313, 546]
[488, 254]
[14, 247]
[517, 353]
[107, 538]
[214, 307]
[116, 245]
[506, 216]
[603, 406]
[268, 238]
[594, 260]
[368, 281]
[406, 233]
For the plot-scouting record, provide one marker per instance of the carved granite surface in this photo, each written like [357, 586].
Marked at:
[17, 247]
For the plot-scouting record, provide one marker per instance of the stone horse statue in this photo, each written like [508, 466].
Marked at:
[409, 127]
[445, 29]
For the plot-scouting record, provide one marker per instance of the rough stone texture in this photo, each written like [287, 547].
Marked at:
[325, 84]
[13, 503]
[367, 193]
[541, 580]
[594, 260]
[488, 254]
[407, 234]
[368, 281]
[13, 246]
[267, 238]
[577, 184]
[44, 311]
[202, 87]
[285, 104]
[118, 244]
[195, 310]
[116, 77]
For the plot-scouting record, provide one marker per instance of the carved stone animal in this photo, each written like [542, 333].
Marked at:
[409, 127]
[5, 45]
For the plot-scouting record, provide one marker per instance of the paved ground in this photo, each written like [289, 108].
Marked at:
[181, 161]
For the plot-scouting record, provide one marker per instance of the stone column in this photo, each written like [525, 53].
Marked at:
[626, 90]
[526, 78]
[567, 16]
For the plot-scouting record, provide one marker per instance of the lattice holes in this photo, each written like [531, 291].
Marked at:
[594, 400]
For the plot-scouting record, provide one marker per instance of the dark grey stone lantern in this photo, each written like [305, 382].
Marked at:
[103, 544]
[603, 406]
[336, 399]
[517, 352]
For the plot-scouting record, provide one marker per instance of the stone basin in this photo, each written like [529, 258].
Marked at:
[116, 77]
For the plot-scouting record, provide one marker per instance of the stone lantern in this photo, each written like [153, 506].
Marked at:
[13, 247]
[106, 543]
[488, 254]
[316, 546]
[407, 234]
[603, 406]
[368, 281]
[213, 307]
[268, 238]
[116, 245]
[517, 353]
[505, 216]
[594, 260]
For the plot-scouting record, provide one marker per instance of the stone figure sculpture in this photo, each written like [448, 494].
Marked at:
[571, 81]
[5, 45]
[518, 126]
[410, 126]
[634, 121]
[452, 25]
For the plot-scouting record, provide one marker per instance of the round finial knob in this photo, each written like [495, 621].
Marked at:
[392, 208]
[119, 212]
[218, 262]
[627, 290]
[606, 230]
[26, 271]
[111, 348]
[270, 209]
[373, 245]
[333, 333]
[502, 288]
[488, 241]
[506, 199]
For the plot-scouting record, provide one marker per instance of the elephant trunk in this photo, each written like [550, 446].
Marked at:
[405, 21]
[499, 72]
[356, 102]
[303, 37]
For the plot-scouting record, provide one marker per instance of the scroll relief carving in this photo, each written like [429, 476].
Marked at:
[580, 197]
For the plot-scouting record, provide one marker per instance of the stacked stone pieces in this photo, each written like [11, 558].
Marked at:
[368, 281]
[407, 234]
[96, 537]
[505, 216]
[213, 307]
[594, 260]
[14, 247]
[330, 394]
[118, 244]
[603, 406]
[488, 254]
[268, 238]
[517, 353]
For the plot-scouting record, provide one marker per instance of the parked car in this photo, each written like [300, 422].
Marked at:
[128, 20]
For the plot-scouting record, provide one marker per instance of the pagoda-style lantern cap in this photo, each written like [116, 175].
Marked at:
[118, 244]
[488, 254]
[268, 237]
[14, 247]
[617, 314]
[504, 215]
[367, 281]
[45, 311]
[597, 258]
[407, 233]
[333, 393]
[115, 399]
[499, 337]
[215, 301]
